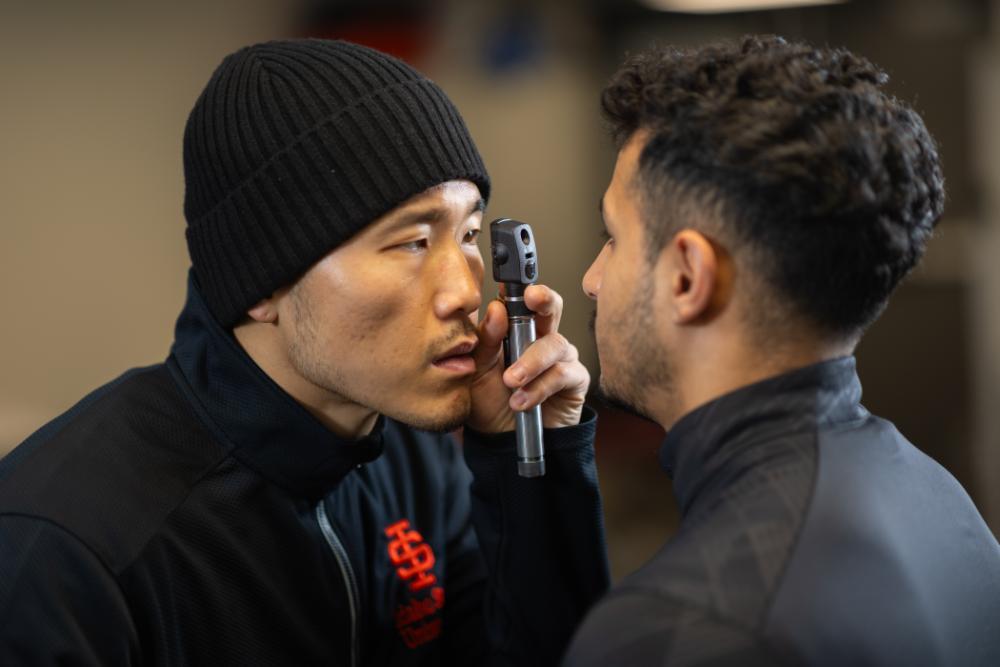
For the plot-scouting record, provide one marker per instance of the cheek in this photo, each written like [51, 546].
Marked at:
[613, 291]
[356, 307]
[616, 302]
[373, 316]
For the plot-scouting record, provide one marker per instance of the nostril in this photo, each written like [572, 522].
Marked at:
[590, 285]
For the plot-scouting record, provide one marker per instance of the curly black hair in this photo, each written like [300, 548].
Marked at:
[834, 185]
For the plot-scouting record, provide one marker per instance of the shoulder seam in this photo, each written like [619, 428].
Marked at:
[755, 633]
[86, 404]
[669, 597]
[797, 540]
[76, 538]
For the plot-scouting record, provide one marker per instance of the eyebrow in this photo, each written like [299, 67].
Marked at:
[433, 214]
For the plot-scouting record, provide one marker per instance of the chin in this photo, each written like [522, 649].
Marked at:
[624, 400]
[441, 416]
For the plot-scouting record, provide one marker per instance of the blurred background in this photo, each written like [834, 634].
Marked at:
[92, 255]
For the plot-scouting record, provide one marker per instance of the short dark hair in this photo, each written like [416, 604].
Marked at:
[833, 185]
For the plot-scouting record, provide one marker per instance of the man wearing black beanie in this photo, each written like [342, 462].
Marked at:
[282, 490]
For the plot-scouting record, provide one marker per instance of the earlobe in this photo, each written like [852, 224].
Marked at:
[695, 278]
[265, 312]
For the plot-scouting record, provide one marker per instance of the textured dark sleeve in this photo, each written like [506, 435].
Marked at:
[58, 603]
[542, 540]
[639, 628]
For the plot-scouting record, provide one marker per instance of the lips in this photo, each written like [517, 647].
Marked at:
[457, 359]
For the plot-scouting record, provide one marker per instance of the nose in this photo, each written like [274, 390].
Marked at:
[458, 277]
[592, 278]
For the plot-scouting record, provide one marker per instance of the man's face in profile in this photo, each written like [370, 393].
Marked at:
[633, 358]
[387, 320]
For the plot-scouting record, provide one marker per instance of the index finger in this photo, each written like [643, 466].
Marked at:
[547, 305]
[491, 332]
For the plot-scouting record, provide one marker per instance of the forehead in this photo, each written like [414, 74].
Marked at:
[458, 194]
[450, 193]
[450, 202]
[628, 158]
[620, 195]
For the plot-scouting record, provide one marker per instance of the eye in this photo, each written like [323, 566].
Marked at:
[471, 236]
[414, 246]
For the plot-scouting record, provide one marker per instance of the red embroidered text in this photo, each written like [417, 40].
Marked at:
[412, 620]
[412, 556]
[413, 559]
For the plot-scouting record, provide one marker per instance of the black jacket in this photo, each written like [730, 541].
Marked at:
[812, 533]
[192, 513]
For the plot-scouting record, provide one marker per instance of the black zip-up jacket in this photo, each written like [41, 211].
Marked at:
[812, 533]
[192, 513]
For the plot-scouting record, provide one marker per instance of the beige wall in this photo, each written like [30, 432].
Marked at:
[92, 257]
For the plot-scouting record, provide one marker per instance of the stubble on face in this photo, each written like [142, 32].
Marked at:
[304, 349]
[634, 364]
[307, 355]
[637, 371]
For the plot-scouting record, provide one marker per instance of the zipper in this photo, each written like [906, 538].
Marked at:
[337, 547]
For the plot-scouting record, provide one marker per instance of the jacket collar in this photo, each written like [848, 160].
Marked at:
[265, 427]
[745, 427]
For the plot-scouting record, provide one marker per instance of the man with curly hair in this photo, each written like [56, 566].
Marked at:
[767, 199]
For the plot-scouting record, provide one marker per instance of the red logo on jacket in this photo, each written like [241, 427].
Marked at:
[414, 560]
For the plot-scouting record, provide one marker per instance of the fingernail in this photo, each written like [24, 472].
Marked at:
[518, 400]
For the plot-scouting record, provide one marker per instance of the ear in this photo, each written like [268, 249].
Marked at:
[264, 311]
[691, 263]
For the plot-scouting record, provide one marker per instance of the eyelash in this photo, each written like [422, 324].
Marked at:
[414, 246]
[471, 237]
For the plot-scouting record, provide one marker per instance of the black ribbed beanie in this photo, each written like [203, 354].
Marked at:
[293, 147]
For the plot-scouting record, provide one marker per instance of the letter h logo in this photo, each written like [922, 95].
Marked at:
[412, 557]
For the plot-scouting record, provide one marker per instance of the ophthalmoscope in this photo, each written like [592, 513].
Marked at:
[515, 265]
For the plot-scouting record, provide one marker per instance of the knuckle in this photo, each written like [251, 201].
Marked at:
[525, 366]
[566, 349]
[540, 384]
[553, 348]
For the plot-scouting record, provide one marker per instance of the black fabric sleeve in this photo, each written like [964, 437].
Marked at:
[542, 539]
[59, 605]
[637, 627]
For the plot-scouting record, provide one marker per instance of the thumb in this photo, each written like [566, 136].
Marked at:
[491, 332]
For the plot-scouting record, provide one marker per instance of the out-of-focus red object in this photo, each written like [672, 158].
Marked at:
[407, 41]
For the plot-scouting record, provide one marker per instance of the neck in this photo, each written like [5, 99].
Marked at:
[339, 414]
[723, 366]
